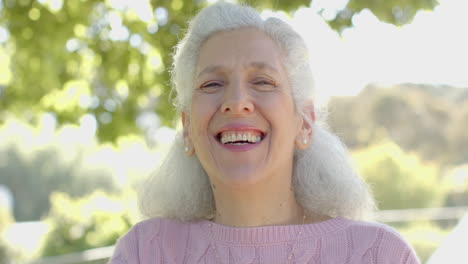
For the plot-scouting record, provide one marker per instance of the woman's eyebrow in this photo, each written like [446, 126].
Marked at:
[210, 69]
[255, 65]
[263, 66]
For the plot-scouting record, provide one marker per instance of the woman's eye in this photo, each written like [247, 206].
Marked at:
[213, 84]
[210, 86]
[264, 84]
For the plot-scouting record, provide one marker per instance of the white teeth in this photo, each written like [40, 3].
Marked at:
[234, 137]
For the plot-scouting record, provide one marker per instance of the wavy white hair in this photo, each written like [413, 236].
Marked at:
[324, 179]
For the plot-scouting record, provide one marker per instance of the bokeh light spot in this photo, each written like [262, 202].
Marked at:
[161, 15]
[34, 14]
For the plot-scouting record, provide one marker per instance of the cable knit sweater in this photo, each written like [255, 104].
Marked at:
[335, 241]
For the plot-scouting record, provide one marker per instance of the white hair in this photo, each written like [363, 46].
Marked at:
[225, 17]
[324, 179]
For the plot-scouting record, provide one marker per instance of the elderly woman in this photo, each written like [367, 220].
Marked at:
[253, 177]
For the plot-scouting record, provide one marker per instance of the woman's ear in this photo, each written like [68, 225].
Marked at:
[305, 131]
[188, 146]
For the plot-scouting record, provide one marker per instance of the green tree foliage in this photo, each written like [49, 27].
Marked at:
[5, 254]
[428, 120]
[36, 161]
[457, 180]
[34, 180]
[425, 237]
[397, 12]
[399, 180]
[5, 220]
[458, 135]
[32, 167]
[105, 59]
[95, 220]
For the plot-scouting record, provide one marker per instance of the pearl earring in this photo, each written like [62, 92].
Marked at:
[186, 149]
[304, 141]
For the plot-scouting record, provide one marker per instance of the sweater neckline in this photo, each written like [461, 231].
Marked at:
[270, 234]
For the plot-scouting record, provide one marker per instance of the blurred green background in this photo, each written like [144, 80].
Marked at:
[86, 114]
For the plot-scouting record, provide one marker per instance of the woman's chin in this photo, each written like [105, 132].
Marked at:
[241, 176]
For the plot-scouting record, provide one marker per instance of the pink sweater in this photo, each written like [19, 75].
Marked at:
[336, 241]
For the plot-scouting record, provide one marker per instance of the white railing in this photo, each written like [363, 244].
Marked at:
[421, 214]
[79, 257]
[385, 216]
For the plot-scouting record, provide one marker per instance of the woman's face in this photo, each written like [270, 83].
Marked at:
[242, 122]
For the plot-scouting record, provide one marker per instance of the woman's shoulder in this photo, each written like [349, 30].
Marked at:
[381, 241]
[368, 227]
[154, 225]
[145, 235]
[148, 229]
[373, 231]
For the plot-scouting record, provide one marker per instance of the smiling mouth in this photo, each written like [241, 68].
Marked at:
[240, 137]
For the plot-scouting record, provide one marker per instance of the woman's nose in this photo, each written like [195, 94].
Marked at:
[237, 100]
